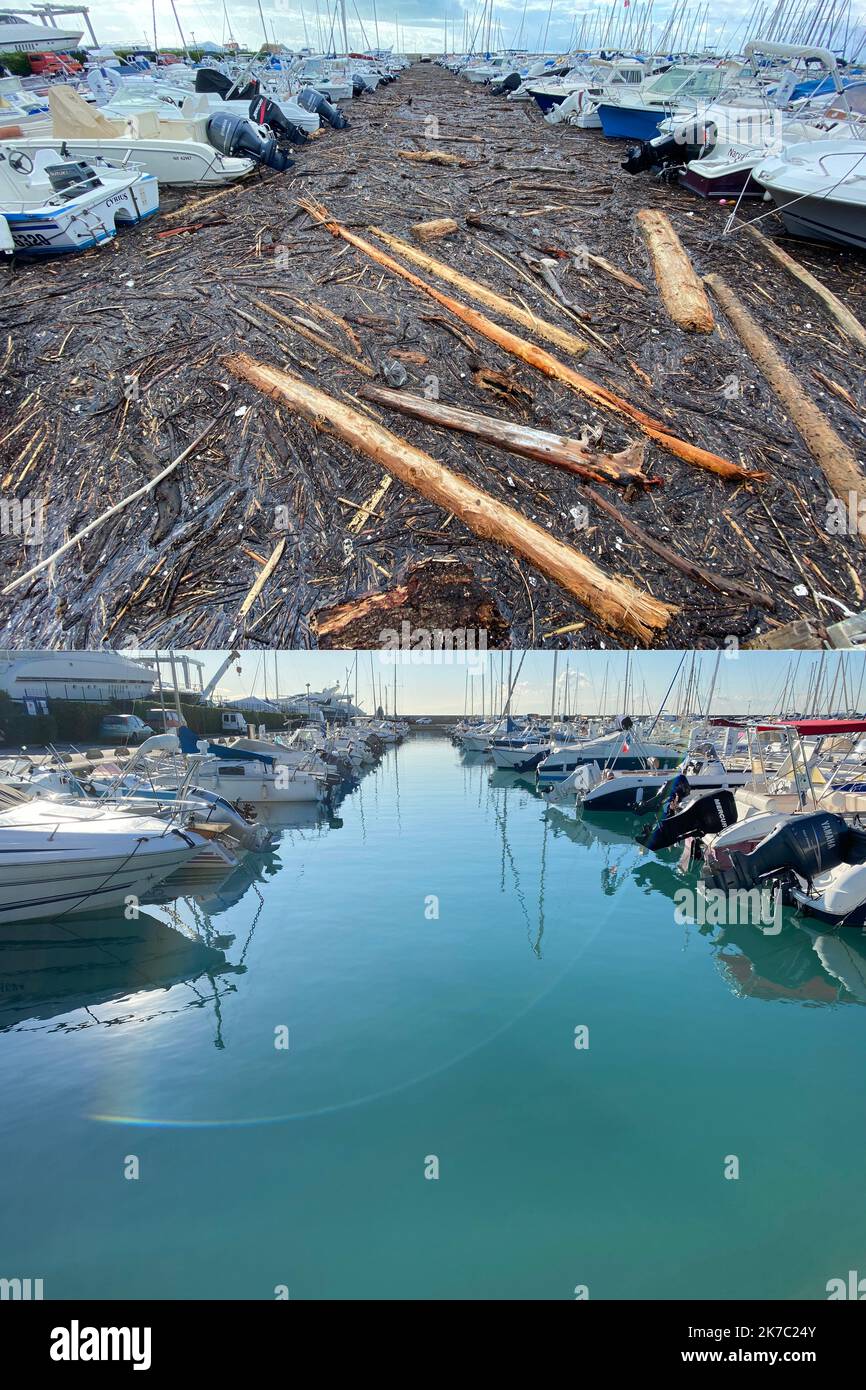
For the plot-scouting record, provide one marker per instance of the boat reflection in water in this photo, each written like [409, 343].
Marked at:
[52, 968]
[49, 969]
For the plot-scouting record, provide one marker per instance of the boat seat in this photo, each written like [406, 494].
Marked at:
[763, 801]
[42, 160]
[845, 802]
[144, 125]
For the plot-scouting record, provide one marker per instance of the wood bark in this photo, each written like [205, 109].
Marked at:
[682, 293]
[838, 464]
[616, 604]
[542, 360]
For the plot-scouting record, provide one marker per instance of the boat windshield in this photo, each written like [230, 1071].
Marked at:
[700, 82]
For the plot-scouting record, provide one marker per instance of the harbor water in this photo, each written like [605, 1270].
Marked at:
[450, 1042]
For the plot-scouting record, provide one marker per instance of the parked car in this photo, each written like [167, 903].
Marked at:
[124, 728]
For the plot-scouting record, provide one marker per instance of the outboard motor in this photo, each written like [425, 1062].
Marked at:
[359, 86]
[236, 136]
[508, 84]
[312, 100]
[665, 150]
[707, 815]
[667, 798]
[264, 112]
[208, 80]
[804, 845]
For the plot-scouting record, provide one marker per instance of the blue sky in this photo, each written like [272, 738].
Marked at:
[749, 682]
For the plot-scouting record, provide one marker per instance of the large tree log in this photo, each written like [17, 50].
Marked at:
[569, 342]
[838, 464]
[623, 468]
[850, 325]
[682, 293]
[615, 603]
[519, 439]
[537, 357]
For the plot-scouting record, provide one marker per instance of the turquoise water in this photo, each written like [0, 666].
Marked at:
[413, 1036]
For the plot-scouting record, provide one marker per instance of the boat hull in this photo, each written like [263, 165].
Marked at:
[42, 887]
[629, 122]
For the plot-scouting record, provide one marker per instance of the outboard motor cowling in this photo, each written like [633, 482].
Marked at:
[265, 112]
[239, 138]
[707, 815]
[312, 100]
[508, 84]
[208, 80]
[803, 845]
[664, 149]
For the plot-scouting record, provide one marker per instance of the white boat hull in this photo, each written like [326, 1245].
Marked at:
[44, 886]
[167, 161]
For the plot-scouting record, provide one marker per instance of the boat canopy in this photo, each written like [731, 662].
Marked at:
[817, 728]
[189, 743]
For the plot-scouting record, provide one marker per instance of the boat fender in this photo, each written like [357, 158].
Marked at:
[11, 132]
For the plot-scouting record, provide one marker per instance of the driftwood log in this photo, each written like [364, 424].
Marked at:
[623, 468]
[548, 448]
[543, 361]
[569, 342]
[434, 229]
[682, 293]
[838, 464]
[848, 322]
[615, 603]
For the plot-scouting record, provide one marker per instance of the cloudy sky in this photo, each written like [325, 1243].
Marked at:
[422, 25]
[748, 682]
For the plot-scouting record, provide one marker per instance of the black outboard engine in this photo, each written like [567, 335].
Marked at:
[264, 112]
[707, 815]
[207, 80]
[312, 100]
[804, 845]
[508, 84]
[359, 86]
[667, 798]
[235, 136]
[664, 150]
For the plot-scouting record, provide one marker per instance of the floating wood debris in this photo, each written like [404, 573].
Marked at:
[838, 463]
[484, 295]
[682, 293]
[617, 604]
[542, 360]
[624, 469]
[848, 322]
[434, 157]
[434, 229]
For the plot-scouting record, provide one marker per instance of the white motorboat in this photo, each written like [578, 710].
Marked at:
[19, 36]
[172, 151]
[53, 204]
[643, 792]
[21, 109]
[129, 95]
[819, 189]
[60, 859]
[622, 751]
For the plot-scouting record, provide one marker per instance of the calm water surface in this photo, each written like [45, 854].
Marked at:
[413, 1035]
